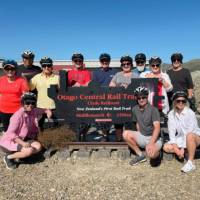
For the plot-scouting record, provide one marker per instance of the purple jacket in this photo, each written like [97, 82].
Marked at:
[23, 125]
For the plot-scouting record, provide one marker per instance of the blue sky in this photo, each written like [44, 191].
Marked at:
[57, 28]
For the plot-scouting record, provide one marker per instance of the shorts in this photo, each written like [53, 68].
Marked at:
[19, 146]
[143, 140]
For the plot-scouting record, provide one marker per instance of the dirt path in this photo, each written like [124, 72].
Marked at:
[98, 179]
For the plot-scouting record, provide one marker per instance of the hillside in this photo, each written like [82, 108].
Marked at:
[192, 65]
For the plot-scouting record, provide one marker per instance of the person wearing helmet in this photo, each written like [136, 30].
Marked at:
[181, 79]
[103, 76]
[41, 82]
[105, 73]
[11, 89]
[184, 132]
[79, 76]
[164, 83]
[20, 140]
[147, 132]
[122, 79]
[140, 60]
[27, 69]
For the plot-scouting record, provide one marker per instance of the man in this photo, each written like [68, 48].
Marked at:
[105, 73]
[27, 69]
[140, 60]
[181, 79]
[147, 132]
[103, 77]
[41, 82]
[79, 76]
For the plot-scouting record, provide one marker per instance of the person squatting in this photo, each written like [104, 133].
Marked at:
[24, 105]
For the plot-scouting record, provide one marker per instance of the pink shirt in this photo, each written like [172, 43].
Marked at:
[23, 125]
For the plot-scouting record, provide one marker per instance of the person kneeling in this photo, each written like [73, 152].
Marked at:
[183, 131]
[147, 132]
[20, 140]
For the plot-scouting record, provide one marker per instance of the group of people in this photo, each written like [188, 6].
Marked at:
[24, 104]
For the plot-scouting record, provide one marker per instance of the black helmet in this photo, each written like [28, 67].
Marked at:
[179, 94]
[28, 54]
[141, 91]
[126, 58]
[104, 56]
[155, 60]
[77, 56]
[140, 57]
[11, 63]
[46, 61]
[177, 56]
[28, 97]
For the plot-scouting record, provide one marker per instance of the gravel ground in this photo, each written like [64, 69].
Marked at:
[94, 178]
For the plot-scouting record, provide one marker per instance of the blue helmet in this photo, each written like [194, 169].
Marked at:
[11, 63]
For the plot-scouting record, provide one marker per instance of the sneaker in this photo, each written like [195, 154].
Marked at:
[10, 164]
[188, 167]
[138, 159]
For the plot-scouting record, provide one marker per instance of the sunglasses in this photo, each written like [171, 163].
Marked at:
[78, 61]
[157, 65]
[140, 62]
[104, 61]
[176, 60]
[183, 101]
[30, 103]
[9, 69]
[125, 64]
[48, 66]
[144, 97]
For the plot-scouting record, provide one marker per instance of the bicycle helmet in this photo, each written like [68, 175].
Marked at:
[11, 63]
[177, 56]
[179, 94]
[77, 56]
[155, 60]
[28, 97]
[28, 54]
[126, 58]
[140, 57]
[104, 56]
[46, 61]
[141, 91]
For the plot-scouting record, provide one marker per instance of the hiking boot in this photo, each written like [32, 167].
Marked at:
[188, 167]
[138, 159]
[10, 164]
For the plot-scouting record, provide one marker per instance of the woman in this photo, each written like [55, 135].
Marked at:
[183, 131]
[123, 79]
[11, 89]
[20, 140]
[164, 83]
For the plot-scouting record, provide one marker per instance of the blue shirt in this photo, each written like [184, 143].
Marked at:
[103, 77]
[137, 73]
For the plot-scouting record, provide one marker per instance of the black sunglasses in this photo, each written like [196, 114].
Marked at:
[140, 62]
[178, 60]
[9, 69]
[157, 65]
[144, 97]
[183, 101]
[125, 64]
[30, 103]
[78, 61]
[44, 66]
